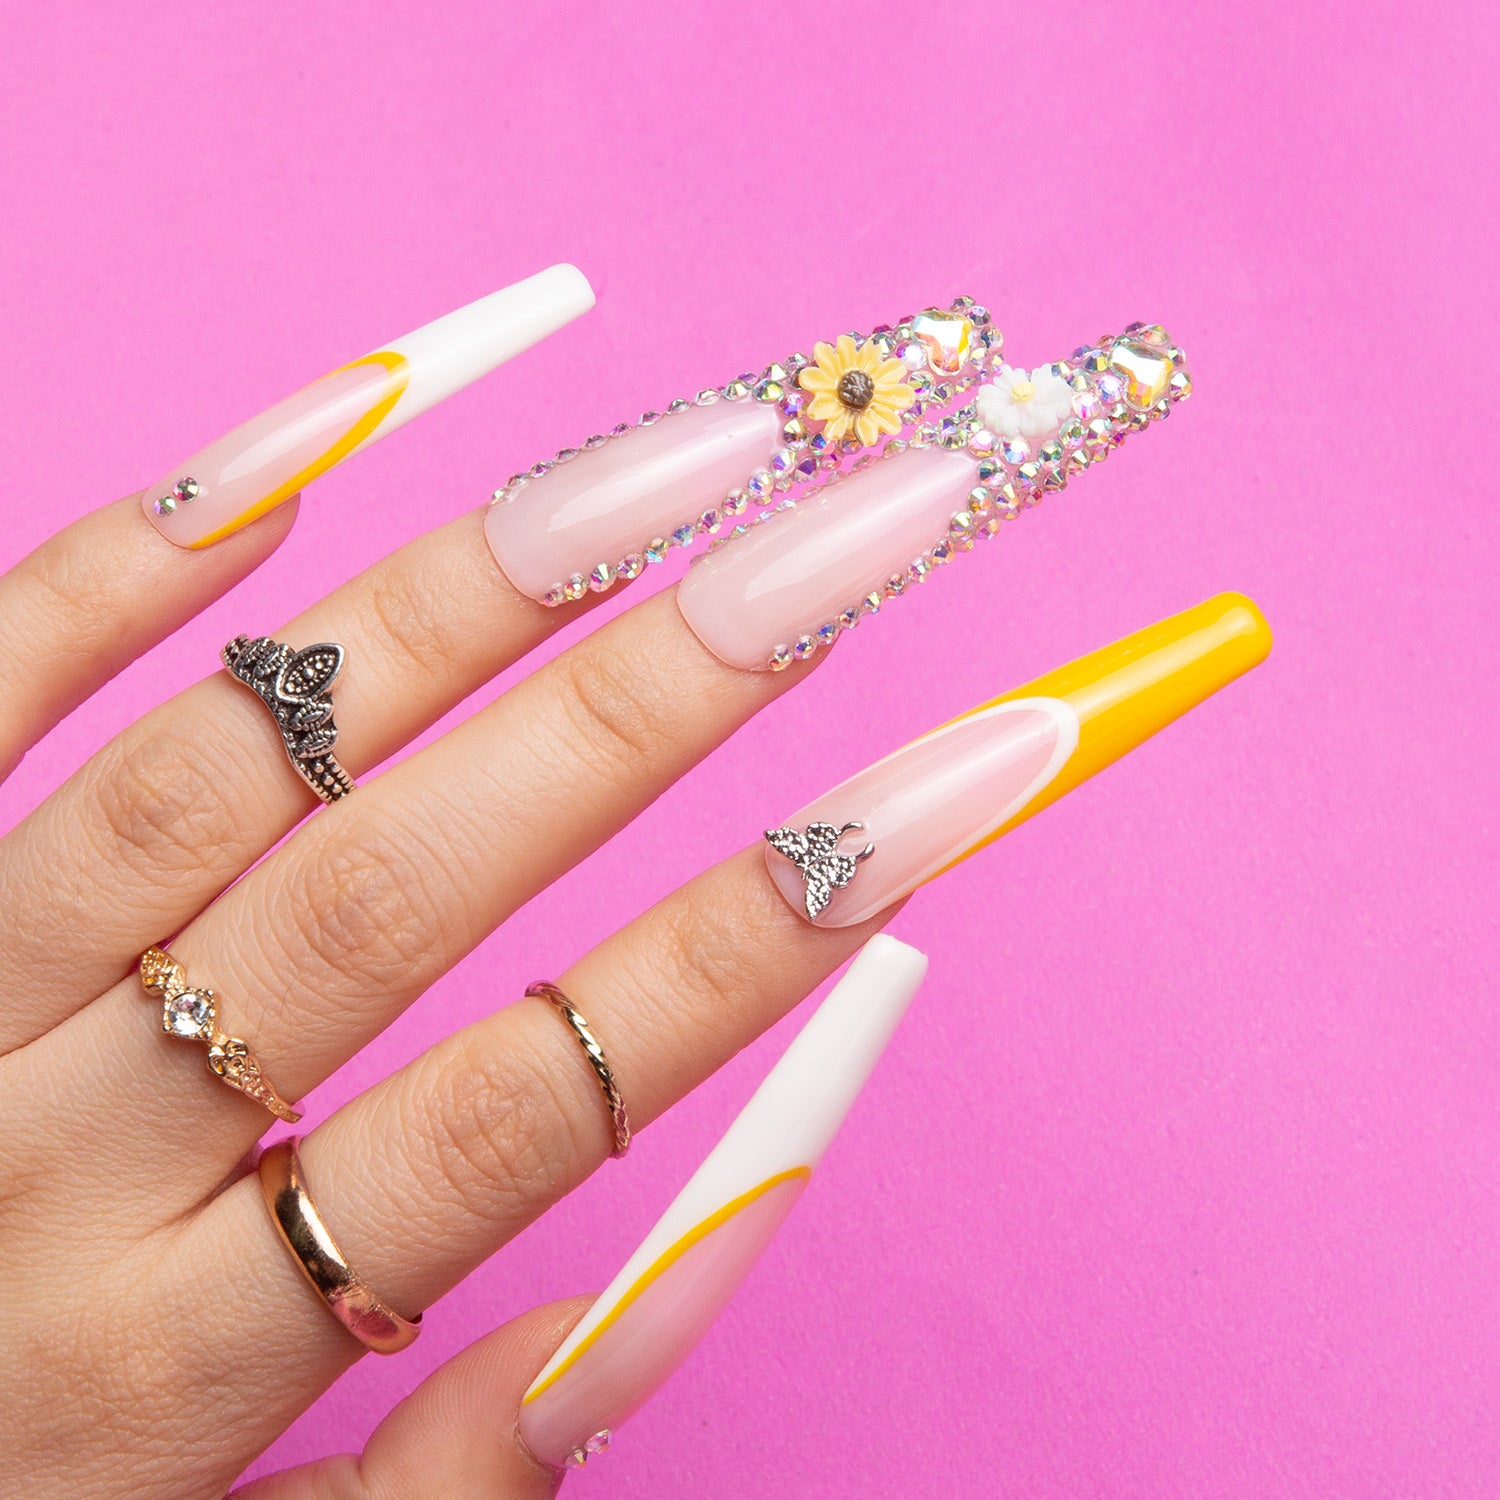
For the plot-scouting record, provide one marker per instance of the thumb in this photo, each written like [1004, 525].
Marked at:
[454, 1437]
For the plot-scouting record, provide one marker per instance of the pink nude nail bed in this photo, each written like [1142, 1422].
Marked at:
[265, 461]
[654, 1313]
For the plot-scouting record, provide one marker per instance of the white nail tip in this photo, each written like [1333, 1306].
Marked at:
[652, 1315]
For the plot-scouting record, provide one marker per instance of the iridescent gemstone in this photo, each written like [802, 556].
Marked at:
[736, 503]
[946, 337]
[1078, 461]
[656, 549]
[989, 471]
[684, 535]
[554, 596]
[679, 405]
[599, 1443]
[706, 397]
[1015, 450]
[979, 500]
[919, 570]
[913, 355]
[895, 586]
[186, 490]
[769, 390]
[1050, 452]
[961, 525]
[782, 461]
[989, 527]
[619, 429]
[872, 601]
[596, 441]
[631, 566]
[710, 521]
[736, 390]
[649, 419]
[941, 551]
[601, 577]
[793, 403]
[780, 658]
[1070, 434]
[565, 455]
[803, 647]
[850, 618]
[951, 433]
[1145, 372]
[189, 1014]
[807, 468]
[794, 433]
[982, 442]
[827, 634]
[576, 587]
[168, 503]
[1086, 403]
[761, 484]
[1181, 385]
[540, 468]
[1111, 388]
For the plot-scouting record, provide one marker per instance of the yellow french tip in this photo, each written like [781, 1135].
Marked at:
[1125, 692]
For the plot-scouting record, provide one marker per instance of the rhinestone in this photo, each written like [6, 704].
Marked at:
[961, 524]
[761, 484]
[554, 596]
[827, 634]
[979, 500]
[982, 442]
[895, 586]
[619, 429]
[598, 440]
[736, 503]
[1096, 361]
[684, 535]
[989, 471]
[1050, 453]
[1030, 474]
[1078, 461]
[989, 527]
[783, 461]
[1086, 403]
[656, 549]
[186, 490]
[1181, 385]
[631, 566]
[576, 587]
[781, 658]
[601, 578]
[803, 647]
[706, 397]
[599, 1443]
[679, 405]
[946, 338]
[710, 521]
[792, 403]
[775, 371]
[189, 1014]
[538, 469]
[941, 552]
[872, 601]
[1070, 434]
[1154, 334]
[1111, 388]
[807, 468]
[736, 390]
[849, 618]
[951, 433]
[649, 419]
[165, 506]
[1144, 371]
[919, 570]
[794, 433]
[1015, 450]
[769, 390]
[517, 482]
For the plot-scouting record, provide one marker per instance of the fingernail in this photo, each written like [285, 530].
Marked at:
[270, 458]
[666, 1298]
[923, 809]
[621, 500]
[801, 577]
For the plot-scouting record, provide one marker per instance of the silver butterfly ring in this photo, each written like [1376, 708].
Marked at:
[814, 851]
[295, 686]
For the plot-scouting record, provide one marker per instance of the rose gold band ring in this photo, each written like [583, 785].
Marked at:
[613, 1101]
[374, 1323]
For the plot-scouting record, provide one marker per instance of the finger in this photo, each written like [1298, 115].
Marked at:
[174, 809]
[326, 941]
[94, 597]
[454, 1437]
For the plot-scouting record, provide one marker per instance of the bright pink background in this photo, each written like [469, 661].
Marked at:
[1211, 1210]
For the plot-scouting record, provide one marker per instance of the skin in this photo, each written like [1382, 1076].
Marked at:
[120, 1375]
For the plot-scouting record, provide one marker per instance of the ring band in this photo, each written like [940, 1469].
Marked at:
[192, 1014]
[302, 1230]
[295, 686]
[544, 990]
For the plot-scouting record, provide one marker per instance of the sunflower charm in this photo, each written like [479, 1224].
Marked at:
[815, 853]
[856, 390]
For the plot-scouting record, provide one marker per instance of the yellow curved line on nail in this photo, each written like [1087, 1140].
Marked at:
[1125, 692]
[661, 1265]
[396, 364]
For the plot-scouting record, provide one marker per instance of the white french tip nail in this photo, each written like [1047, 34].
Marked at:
[653, 1314]
[268, 459]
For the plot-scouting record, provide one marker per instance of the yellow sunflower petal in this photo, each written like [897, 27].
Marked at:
[897, 397]
[884, 419]
[847, 351]
[823, 355]
[892, 368]
[825, 406]
[867, 427]
[839, 425]
[814, 379]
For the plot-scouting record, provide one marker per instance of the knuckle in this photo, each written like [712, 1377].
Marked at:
[499, 1130]
[621, 719]
[161, 803]
[367, 906]
[409, 617]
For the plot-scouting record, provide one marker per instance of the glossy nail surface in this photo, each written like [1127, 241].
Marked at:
[783, 579]
[266, 460]
[613, 502]
[945, 796]
[656, 1310]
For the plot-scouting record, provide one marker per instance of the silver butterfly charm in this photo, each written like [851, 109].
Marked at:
[814, 851]
[294, 685]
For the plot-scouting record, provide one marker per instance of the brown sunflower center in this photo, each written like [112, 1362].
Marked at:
[856, 390]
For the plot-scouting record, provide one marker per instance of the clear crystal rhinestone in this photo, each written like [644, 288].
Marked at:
[576, 587]
[827, 633]
[601, 578]
[190, 1014]
[946, 338]
[803, 647]
[684, 535]
[1145, 372]
[849, 618]
[631, 565]
[780, 659]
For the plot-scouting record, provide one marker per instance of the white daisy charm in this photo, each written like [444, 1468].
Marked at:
[1017, 404]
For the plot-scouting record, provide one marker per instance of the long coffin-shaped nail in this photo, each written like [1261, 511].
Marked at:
[791, 583]
[656, 1310]
[271, 457]
[921, 810]
[604, 510]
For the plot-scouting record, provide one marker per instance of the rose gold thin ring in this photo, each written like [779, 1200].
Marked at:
[374, 1323]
